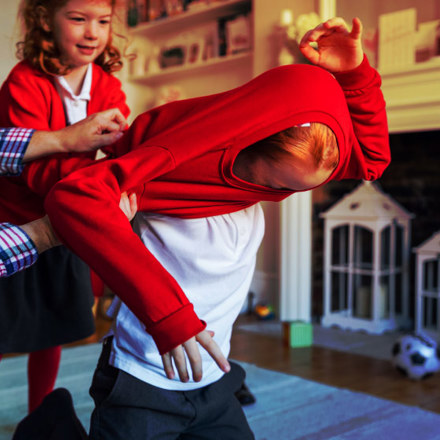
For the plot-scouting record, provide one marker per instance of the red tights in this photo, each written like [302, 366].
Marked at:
[42, 373]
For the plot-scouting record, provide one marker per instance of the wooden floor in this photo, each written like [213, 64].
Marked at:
[335, 368]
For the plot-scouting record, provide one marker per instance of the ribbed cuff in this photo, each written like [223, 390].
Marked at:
[176, 329]
[357, 78]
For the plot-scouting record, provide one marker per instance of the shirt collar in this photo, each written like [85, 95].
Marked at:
[84, 94]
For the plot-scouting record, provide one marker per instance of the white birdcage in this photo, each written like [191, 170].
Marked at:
[366, 257]
[428, 287]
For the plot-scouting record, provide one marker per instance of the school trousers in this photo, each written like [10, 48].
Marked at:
[127, 408]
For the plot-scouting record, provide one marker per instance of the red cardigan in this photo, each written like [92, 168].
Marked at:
[179, 159]
[30, 99]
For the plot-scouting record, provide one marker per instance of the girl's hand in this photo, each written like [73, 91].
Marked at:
[338, 49]
[128, 205]
[190, 348]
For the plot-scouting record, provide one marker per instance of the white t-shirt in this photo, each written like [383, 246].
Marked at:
[213, 260]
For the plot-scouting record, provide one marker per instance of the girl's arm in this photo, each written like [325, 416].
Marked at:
[339, 51]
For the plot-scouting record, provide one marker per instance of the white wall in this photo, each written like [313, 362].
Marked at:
[9, 31]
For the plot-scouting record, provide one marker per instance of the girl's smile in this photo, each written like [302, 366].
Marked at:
[86, 50]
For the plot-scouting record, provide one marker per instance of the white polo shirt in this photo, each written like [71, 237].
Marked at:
[75, 106]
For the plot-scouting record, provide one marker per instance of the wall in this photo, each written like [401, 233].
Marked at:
[8, 36]
[266, 16]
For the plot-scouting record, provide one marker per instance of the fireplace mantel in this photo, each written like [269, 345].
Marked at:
[413, 97]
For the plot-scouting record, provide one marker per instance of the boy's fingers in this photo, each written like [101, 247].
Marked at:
[133, 202]
[356, 31]
[206, 341]
[335, 22]
[168, 365]
[310, 53]
[180, 362]
[195, 360]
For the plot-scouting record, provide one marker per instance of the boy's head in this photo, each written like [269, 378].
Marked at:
[55, 32]
[298, 158]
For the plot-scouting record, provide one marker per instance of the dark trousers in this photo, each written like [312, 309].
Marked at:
[127, 408]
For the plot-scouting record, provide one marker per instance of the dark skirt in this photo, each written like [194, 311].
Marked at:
[46, 305]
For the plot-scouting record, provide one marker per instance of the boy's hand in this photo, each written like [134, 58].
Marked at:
[204, 338]
[128, 205]
[338, 49]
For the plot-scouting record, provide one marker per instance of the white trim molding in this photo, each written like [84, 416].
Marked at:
[296, 258]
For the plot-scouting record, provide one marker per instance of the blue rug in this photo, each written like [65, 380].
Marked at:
[287, 408]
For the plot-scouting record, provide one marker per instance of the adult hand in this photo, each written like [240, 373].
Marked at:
[41, 233]
[190, 349]
[338, 49]
[95, 131]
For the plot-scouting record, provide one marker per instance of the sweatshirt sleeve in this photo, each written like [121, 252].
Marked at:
[84, 211]
[370, 153]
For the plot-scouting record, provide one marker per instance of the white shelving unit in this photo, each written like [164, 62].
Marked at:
[202, 14]
[160, 31]
[179, 72]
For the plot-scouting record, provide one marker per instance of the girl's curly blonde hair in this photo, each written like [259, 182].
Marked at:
[39, 48]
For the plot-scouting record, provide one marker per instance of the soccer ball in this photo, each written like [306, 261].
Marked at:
[416, 356]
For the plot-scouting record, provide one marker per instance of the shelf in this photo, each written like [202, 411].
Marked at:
[171, 73]
[412, 95]
[192, 17]
[424, 66]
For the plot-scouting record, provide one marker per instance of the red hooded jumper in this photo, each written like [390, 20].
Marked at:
[179, 157]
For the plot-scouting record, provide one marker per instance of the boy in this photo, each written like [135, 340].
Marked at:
[200, 167]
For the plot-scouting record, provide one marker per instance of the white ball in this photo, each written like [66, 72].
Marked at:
[416, 356]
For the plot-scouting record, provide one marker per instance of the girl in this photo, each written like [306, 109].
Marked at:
[65, 74]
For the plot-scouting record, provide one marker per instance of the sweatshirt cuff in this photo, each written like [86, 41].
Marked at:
[176, 329]
[358, 78]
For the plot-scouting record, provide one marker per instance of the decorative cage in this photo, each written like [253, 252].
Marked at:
[428, 287]
[366, 258]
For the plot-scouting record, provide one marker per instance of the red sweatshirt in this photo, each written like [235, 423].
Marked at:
[179, 157]
[30, 99]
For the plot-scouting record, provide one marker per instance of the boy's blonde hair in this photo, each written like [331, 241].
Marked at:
[316, 142]
[38, 46]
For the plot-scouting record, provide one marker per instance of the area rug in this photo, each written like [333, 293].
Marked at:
[287, 407]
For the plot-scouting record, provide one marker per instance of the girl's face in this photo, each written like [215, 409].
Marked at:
[81, 30]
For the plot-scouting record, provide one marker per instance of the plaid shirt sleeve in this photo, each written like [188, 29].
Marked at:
[13, 144]
[17, 250]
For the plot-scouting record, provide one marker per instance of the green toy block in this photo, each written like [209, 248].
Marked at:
[301, 334]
